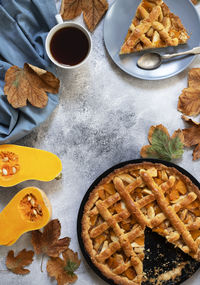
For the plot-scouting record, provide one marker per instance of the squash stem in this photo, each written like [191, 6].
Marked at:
[59, 176]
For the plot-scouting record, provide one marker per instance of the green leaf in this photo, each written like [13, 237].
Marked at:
[164, 147]
[71, 267]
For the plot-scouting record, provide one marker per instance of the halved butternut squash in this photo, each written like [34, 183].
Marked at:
[29, 210]
[20, 163]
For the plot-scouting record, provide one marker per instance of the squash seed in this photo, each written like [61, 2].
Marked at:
[5, 172]
[39, 207]
[34, 212]
[14, 170]
[29, 198]
[32, 202]
[5, 158]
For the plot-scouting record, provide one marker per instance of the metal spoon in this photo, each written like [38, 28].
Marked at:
[153, 60]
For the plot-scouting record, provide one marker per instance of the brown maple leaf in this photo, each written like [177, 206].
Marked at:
[70, 9]
[29, 84]
[16, 264]
[63, 269]
[194, 78]
[189, 100]
[48, 242]
[192, 136]
[162, 145]
[195, 2]
[93, 11]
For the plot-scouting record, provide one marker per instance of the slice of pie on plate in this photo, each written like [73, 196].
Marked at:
[129, 200]
[153, 26]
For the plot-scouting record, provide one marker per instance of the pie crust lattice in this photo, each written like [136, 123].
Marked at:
[125, 203]
[153, 26]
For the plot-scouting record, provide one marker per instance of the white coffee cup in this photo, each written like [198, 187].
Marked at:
[58, 27]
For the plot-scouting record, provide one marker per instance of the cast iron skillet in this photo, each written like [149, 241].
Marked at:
[162, 256]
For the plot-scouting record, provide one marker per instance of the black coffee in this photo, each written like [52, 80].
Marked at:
[69, 46]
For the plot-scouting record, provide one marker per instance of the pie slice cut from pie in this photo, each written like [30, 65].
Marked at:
[153, 26]
[125, 203]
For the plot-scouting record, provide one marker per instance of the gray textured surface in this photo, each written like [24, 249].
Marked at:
[103, 118]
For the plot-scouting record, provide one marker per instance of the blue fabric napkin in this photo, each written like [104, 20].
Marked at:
[24, 25]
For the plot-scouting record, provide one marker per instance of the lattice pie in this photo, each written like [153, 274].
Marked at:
[153, 26]
[126, 202]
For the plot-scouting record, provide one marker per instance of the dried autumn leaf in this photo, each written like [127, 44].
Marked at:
[189, 121]
[70, 9]
[192, 137]
[162, 145]
[189, 100]
[63, 269]
[16, 264]
[196, 152]
[48, 242]
[29, 84]
[194, 78]
[93, 11]
[195, 1]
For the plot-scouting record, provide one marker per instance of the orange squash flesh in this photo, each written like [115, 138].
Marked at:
[29, 210]
[26, 163]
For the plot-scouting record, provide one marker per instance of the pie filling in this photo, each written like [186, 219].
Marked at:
[163, 264]
[153, 26]
[125, 203]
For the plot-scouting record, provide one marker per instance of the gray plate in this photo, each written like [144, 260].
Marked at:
[117, 22]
